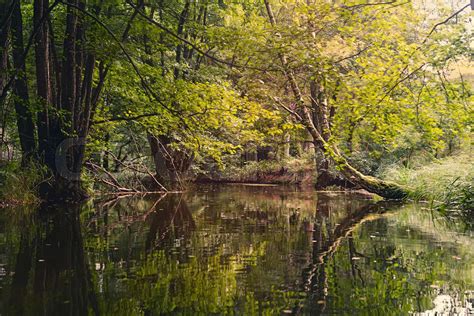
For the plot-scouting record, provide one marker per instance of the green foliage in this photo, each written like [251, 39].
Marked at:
[391, 89]
[208, 77]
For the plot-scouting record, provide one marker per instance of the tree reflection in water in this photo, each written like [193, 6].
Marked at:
[51, 260]
[327, 237]
[170, 218]
[237, 251]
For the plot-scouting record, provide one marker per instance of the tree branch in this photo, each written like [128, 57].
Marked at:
[445, 21]
[131, 118]
[194, 46]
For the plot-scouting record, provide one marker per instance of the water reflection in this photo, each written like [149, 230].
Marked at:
[235, 250]
[50, 274]
[168, 219]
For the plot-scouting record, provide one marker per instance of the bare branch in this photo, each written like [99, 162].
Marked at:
[113, 181]
[445, 21]
[288, 110]
[399, 82]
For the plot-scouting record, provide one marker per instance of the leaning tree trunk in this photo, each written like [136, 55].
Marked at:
[327, 175]
[385, 189]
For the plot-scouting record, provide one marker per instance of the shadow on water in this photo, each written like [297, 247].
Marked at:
[51, 264]
[235, 250]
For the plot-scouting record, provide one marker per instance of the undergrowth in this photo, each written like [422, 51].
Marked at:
[447, 184]
[292, 170]
[20, 185]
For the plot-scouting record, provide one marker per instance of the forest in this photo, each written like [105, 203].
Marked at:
[242, 157]
[147, 97]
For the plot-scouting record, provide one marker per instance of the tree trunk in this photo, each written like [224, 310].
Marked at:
[43, 83]
[62, 138]
[5, 20]
[179, 48]
[327, 175]
[171, 165]
[158, 158]
[286, 146]
[24, 117]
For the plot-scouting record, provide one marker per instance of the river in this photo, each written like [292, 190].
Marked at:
[235, 249]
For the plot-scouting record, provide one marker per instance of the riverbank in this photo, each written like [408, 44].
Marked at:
[293, 171]
[446, 183]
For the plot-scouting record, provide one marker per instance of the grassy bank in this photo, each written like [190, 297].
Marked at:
[19, 186]
[289, 171]
[447, 184]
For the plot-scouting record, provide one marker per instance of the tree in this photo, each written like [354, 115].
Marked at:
[320, 52]
[199, 116]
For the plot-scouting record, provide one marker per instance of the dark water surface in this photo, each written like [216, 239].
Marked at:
[235, 250]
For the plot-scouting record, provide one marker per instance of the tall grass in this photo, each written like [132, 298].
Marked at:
[446, 183]
[20, 185]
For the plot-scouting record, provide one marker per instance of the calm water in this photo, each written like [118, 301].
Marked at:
[235, 250]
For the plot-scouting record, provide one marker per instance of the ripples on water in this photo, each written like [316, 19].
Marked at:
[235, 250]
